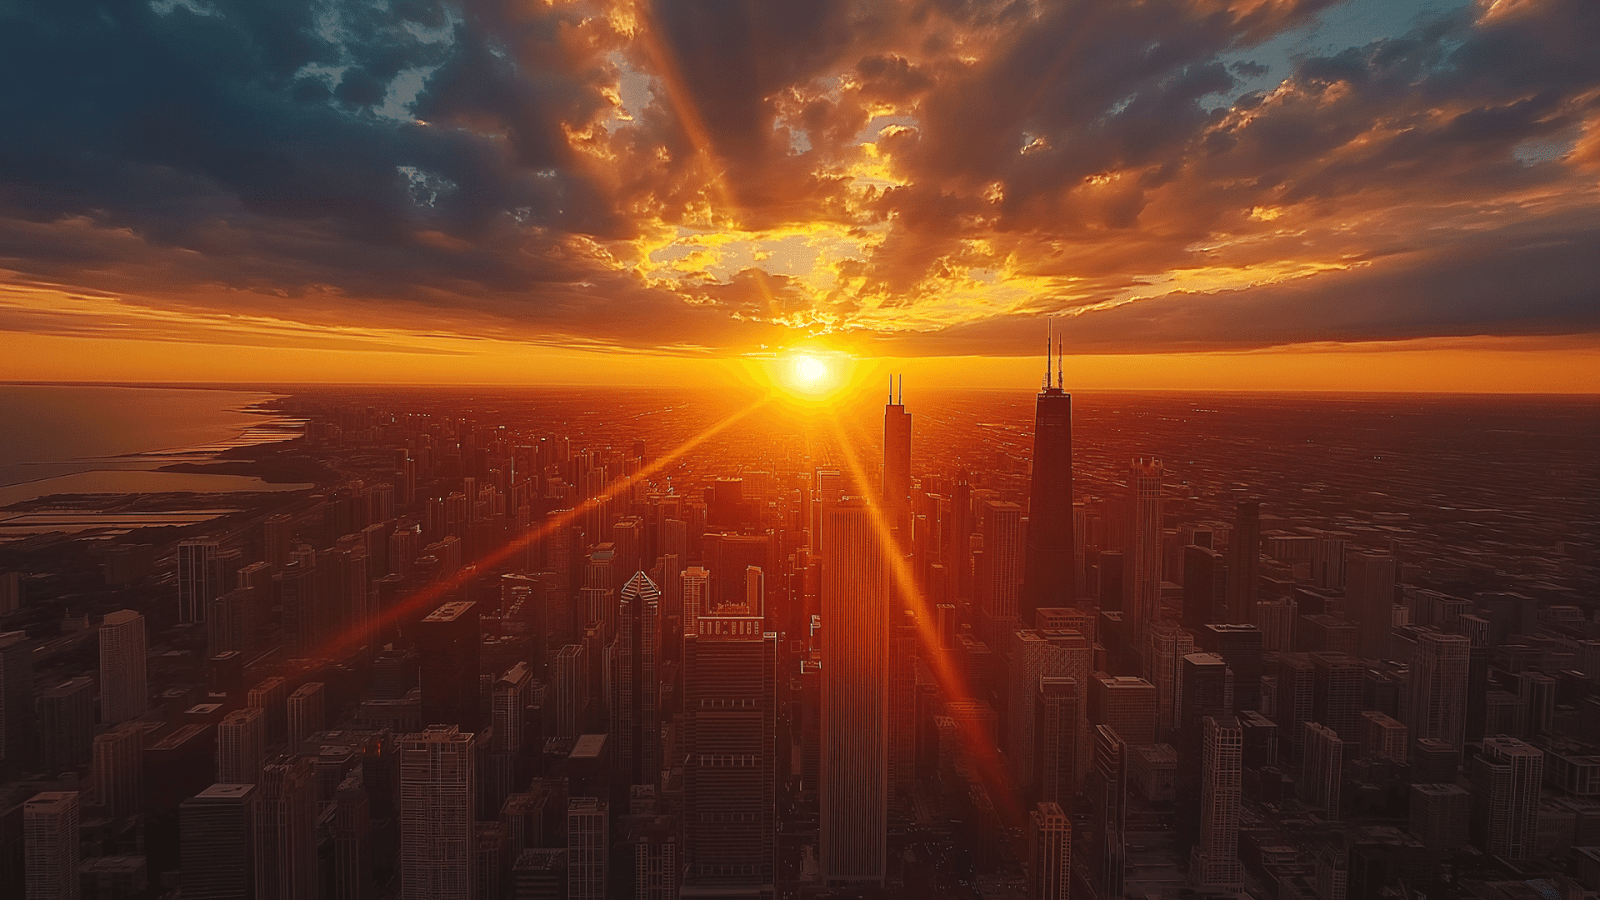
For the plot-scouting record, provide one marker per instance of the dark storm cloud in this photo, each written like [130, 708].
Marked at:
[467, 167]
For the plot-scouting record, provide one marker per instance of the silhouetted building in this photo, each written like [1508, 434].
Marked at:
[1506, 778]
[1214, 861]
[50, 839]
[437, 794]
[855, 678]
[66, 723]
[17, 728]
[1050, 571]
[286, 830]
[635, 687]
[123, 694]
[1244, 561]
[217, 843]
[1049, 853]
[1142, 580]
[449, 642]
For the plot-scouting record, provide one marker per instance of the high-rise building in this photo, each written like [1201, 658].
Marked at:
[897, 465]
[50, 845]
[1108, 800]
[729, 728]
[306, 711]
[1214, 860]
[1369, 597]
[1383, 736]
[1323, 769]
[1438, 687]
[1336, 686]
[635, 688]
[997, 581]
[1206, 690]
[1142, 580]
[437, 793]
[17, 729]
[855, 686]
[117, 770]
[200, 578]
[1275, 618]
[696, 593]
[1205, 587]
[286, 829]
[1125, 703]
[66, 723]
[1050, 570]
[569, 692]
[1163, 657]
[217, 842]
[1049, 853]
[1240, 647]
[228, 621]
[1506, 777]
[1440, 815]
[1244, 561]
[1033, 655]
[588, 848]
[1056, 716]
[449, 641]
[241, 746]
[123, 694]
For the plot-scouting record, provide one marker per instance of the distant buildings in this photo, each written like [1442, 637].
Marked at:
[123, 694]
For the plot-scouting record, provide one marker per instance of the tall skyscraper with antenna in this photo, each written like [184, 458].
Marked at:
[897, 462]
[1050, 567]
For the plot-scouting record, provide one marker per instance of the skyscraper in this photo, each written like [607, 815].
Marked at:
[306, 711]
[449, 642]
[1214, 860]
[437, 791]
[66, 723]
[1244, 563]
[1323, 770]
[17, 729]
[123, 694]
[696, 594]
[855, 685]
[1050, 568]
[241, 746]
[199, 578]
[635, 688]
[588, 848]
[1369, 595]
[1056, 717]
[217, 842]
[1126, 704]
[1438, 688]
[117, 770]
[728, 744]
[1049, 853]
[1108, 799]
[999, 571]
[50, 845]
[286, 829]
[897, 465]
[1506, 778]
[1142, 581]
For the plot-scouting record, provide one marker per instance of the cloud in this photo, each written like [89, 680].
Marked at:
[959, 167]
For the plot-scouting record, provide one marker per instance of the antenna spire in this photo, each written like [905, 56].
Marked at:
[891, 390]
[902, 395]
[1060, 366]
[1047, 353]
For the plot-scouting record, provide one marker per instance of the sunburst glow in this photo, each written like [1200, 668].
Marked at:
[809, 369]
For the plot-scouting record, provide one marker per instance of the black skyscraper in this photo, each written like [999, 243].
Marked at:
[1048, 576]
[449, 643]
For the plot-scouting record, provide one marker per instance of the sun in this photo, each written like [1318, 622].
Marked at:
[808, 370]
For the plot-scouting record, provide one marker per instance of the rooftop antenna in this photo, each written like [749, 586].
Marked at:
[902, 390]
[891, 390]
[1060, 366]
[1047, 353]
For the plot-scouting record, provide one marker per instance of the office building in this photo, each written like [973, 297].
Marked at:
[1108, 807]
[997, 579]
[1142, 580]
[1205, 587]
[217, 843]
[1244, 561]
[1438, 688]
[1214, 861]
[1383, 736]
[588, 848]
[50, 845]
[1050, 571]
[1440, 815]
[854, 773]
[1336, 693]
[1506, 777]
[1056, 714]
[306, 711]
[123, 693]
[1323, 769]
[1049, 853]
[730, 701]
[1036, 654]
[449, 642]
[17, 710]
[635, 687]
[117, 769]
[1163, 657]
[696, 593]
[286, 829]
[437, 793]
[1125, 703]
[1369, 596]
[241, 746]
[65, 723]
[200, 578]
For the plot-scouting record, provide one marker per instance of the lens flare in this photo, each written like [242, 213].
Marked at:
[809, 369]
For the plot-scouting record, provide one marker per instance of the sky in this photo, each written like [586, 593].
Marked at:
[1214, 194]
